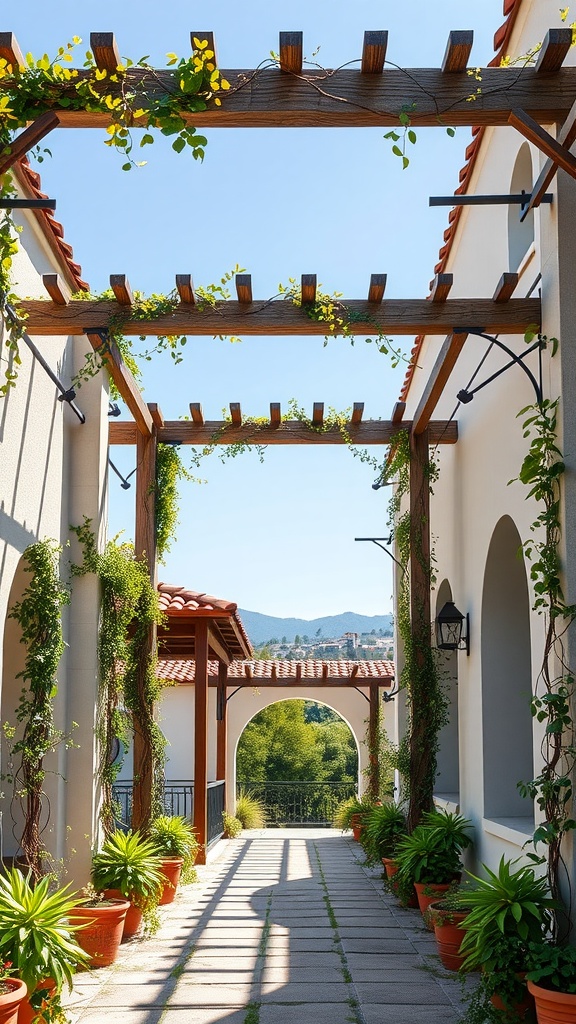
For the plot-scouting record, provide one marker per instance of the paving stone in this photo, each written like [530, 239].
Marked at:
[203, 1015]
[305, 1013]
[392, 992]
[403, 1014]
[291, 975]
[191, 993]
[294, 992]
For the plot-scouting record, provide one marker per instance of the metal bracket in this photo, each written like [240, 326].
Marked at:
[465, 396]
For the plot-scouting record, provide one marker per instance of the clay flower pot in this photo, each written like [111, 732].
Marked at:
[391, 868]
[26, 1012]
[449, 933]
[356, 823]
[427, 892]
[171, 868]
[10, 999]
[133, 918]
[102, 935]
[553, 1007]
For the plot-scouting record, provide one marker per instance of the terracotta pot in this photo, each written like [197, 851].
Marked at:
[391, 867]
[133, 918]
[356, 823]
[520, 1008]
[102, 935]
[171, 868]
[449, 934]
[427, 892]
[26, 1013]
[10, 1001]
[553, 1007]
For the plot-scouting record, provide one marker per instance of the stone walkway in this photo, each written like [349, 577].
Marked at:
[285, 927]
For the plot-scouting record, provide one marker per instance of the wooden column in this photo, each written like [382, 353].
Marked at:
[422, 755]
[145, 547]
[222, 725]
[374, 774]
[201, 739]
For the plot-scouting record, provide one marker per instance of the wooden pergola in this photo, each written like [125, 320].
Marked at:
[289, 95]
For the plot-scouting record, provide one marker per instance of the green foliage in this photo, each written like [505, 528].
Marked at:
[13, 328]
[552, 967]
[232, 826]
[35, 933]
[129, 862]
[510, 904]
[169, 470]
[127, 597]
[383, 828]
[431, 854]
[250, 810]
[346, 810]
[173, 836]
[280, 744]
[39, 616]
[382, 760]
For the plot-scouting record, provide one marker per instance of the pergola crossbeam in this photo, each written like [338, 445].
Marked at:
[566, 138]
[28, 138]
[534, 133]
[457, 51]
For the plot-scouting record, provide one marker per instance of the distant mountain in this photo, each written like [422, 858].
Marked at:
[261, 628]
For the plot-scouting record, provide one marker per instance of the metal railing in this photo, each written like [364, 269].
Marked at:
[300, 803]
[178, 800]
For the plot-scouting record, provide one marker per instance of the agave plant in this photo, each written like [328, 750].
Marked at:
[431, 854]
[129, 862]
[35, 933]
[383, 828]
[173, 836]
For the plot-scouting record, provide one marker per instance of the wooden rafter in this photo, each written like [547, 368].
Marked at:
[566, 138]
[222, 432]
[437, 381]
[551, 147]
[124, 381]
[262, 317]
[29, 138]
[370, 94]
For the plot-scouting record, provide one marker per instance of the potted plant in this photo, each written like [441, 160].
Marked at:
[551, 980]
[351, 813]
[127, 866]
[384, 826]
[176, 846]
[13, 992]
[446, 917]
[509, 909]
[39, 941]
[429, 858]
[102, 925]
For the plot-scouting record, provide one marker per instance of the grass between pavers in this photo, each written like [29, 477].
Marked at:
[352, 1000]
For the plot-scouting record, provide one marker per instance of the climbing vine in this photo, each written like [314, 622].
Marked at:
[169, 470]
[128, 607]
[39, 615]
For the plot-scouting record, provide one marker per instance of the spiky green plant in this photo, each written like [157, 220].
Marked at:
[250, 810]
[174, 836]
[384, 826]
[35, 934]
[129, 862]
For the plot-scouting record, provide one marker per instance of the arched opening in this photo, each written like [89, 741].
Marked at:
[506, 678]
[520, 233]
[447, 785]
[14, 655]
[301, 758]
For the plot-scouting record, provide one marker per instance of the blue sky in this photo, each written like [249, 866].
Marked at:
[278, 538]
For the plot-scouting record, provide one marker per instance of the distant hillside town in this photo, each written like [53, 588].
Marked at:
[372, 646]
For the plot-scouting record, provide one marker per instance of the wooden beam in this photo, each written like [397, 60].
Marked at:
[197, 414]
[441, 286]
[398, 412]
[201, 738]
[185, 288]
[105, 51]
[216, 648]
[222, 723]
[554, 49]
[373, 759]
[281, 318]
[532, 131]
[457, 52]
[274, 681]
[10, 51]
[156, 414]
[124, 381]
[349, 98]
[318, 414]
[28, 138]
[236, 414]
[368, 432]
[308, 286]
[291, 52]
[374, 52]
[120, 286]
[566, 138]
[275, 414]
[207, 37]
[505, 287]
[57, 289]
[244, 287]
[357, 413]
[377, 287]
[437, 381]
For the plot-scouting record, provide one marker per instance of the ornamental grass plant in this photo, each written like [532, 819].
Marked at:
[250, 810]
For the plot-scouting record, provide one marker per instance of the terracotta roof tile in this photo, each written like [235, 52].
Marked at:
[511, 9]
[182, 671]
[178, 600]
[30, 182]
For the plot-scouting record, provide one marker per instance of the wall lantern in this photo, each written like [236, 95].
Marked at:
[449, 629]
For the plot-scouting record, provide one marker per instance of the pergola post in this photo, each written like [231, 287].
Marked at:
[422, 756]
[201, 739]
[145, 547]
[222, 725]
[373, 751]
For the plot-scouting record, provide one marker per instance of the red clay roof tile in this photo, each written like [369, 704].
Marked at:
[182, 671]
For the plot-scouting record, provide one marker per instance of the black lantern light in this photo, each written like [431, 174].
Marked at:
[449, 629]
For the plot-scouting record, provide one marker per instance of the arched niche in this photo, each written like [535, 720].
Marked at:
[520, 233]
[506, 678]
[14, 654]
[447, 785]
